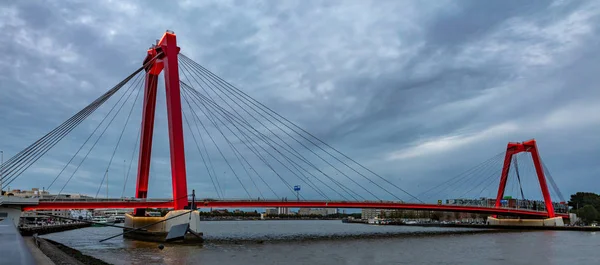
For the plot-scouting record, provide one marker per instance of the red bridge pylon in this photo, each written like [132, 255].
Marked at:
[166, 50]
[531, 147]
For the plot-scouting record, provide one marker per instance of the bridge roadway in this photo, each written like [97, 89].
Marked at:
[210, 203]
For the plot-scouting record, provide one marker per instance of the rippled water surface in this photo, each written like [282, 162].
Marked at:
[334, 242]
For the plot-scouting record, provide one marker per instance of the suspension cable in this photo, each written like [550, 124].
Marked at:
[261, 135]
[244, 125]
[516, 162]
[139, 89]
[248, 146]
[97, 139]
[244, 135]
[275, 115]
[238, 116]
[201, 154]
[19, 163]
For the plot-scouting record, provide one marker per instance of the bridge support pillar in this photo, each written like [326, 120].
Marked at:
[156, 229]
[555, 221]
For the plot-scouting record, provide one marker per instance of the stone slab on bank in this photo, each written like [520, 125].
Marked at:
[39, 256]
[58, 256]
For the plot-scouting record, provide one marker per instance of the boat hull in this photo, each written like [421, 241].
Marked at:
[160, 236]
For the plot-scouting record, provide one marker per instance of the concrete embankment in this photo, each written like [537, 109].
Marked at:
[37, 254]
[62, 255]
[42, 230]
[48, 252]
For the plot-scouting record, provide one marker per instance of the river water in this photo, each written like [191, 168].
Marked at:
[334, 242]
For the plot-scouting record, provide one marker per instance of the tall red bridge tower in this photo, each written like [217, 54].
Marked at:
[166, 52]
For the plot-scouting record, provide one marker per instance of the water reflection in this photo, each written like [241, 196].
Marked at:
[545, 247]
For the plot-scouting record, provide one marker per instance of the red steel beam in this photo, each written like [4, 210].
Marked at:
[541, 176]
[147, 126]
[168, 43]
[48, 205]
[376, 205]
[293, 204]
[504, 176]
[148, 113]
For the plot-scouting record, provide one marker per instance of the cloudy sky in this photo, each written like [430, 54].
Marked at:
[418, 92]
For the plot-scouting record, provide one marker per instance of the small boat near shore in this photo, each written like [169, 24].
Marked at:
[99, 220]
[115, 219]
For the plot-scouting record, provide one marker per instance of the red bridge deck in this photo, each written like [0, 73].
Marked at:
[98, 204]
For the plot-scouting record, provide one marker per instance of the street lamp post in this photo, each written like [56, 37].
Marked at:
[107, 183]
[124, 173]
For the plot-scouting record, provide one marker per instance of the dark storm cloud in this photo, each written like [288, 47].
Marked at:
[418, 92]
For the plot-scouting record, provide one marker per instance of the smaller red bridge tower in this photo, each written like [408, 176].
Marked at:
[531, 147]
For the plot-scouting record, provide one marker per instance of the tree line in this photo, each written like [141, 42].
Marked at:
[586, 205]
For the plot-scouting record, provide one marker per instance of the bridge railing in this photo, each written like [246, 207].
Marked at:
[199, 200]
[274, 201]
[102, 200]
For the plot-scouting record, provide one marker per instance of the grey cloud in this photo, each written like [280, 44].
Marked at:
[472, 20]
